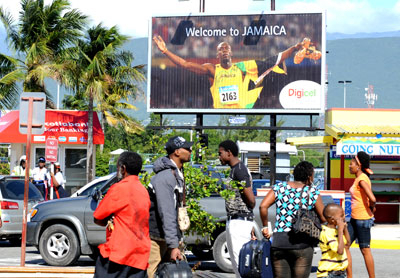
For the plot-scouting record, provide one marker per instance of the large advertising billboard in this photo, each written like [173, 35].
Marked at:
[243, 63]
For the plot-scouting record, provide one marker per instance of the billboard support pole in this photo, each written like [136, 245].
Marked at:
[199, 131]
[272, 151]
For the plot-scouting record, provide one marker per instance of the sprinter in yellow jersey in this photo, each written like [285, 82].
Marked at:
[232, 85]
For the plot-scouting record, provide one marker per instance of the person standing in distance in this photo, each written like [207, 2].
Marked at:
[240, 221]
[58, 182]
[40, 177]
[19, 170]
[125, 211]
[166, 190]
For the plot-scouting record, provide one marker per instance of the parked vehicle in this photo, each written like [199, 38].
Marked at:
[64, 229]
[261, 183]
[12, 205]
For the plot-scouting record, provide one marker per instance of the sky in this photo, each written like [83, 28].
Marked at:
[343, 16]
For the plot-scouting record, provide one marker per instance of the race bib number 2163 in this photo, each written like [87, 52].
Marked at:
[229, 94]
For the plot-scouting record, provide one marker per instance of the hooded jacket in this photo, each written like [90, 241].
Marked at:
[164, 190]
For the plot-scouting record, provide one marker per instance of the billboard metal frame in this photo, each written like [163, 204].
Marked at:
[242, 111]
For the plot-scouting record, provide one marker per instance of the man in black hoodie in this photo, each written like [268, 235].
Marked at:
[166, 191]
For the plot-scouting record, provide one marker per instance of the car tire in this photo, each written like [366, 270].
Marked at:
[59, 245]
[202, 253]
[221, 254]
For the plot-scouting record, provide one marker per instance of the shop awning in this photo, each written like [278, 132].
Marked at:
[385, 146]
[310, 140]
[69, 127]
[344, 131]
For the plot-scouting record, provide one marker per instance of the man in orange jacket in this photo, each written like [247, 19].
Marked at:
[125, 211]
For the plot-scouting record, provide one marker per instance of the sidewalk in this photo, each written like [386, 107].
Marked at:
[384, 236]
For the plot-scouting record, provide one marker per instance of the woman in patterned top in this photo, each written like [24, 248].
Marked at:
[291, 254]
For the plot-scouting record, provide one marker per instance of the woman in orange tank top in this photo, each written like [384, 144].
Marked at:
[362, 211]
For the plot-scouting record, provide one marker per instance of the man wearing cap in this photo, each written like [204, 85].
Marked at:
[166, 191]
[40, 177]
[19, 170]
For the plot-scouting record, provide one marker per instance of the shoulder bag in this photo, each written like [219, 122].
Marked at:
[183, 216]
[306, 221]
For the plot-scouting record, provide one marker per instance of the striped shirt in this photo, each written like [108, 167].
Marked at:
[330, 260]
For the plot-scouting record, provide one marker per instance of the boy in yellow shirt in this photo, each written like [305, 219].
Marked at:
[334, 236]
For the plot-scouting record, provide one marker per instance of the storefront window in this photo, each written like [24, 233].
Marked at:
[75, 168]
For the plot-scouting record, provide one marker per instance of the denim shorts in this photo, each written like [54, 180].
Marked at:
[337, 274]
[360, 230]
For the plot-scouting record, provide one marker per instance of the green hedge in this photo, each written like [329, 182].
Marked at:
[4, 169]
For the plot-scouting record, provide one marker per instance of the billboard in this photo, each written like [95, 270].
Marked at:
[243, 63]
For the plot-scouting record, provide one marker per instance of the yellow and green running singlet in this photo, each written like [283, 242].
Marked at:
[230, 89]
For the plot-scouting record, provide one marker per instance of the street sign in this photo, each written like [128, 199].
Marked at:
[237, 120]
[38, 113]
[51, 149]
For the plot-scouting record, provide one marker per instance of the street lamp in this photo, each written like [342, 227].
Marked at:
[344, 90]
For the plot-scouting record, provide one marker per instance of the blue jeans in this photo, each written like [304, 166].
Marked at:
[295, 263]
[360, 230]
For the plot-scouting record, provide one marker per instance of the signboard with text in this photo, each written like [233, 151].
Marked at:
[51, 151]
[242, 63]
[369, 148]
[68, 127]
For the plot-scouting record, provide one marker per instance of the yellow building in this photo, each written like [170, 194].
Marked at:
[375, 131]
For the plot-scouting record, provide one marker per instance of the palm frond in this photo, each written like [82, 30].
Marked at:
[8, 23]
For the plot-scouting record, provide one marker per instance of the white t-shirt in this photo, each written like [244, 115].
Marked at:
[60, 179]
[40, 174]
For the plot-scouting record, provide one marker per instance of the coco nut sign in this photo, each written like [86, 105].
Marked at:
[51, 152]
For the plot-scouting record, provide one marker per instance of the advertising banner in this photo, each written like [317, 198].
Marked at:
[373, 147]
[68, 127]
[247, 63]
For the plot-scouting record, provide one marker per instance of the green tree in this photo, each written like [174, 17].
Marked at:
[40, 41]
[103, 74]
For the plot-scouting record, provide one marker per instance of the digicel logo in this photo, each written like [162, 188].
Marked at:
[302, 94]
[299, 93]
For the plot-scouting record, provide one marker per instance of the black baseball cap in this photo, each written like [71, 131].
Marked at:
[177, 142]
[41, 159]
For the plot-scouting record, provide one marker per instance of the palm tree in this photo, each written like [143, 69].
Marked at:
[104, 75]
[39, 40]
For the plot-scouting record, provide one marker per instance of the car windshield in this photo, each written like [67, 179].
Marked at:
[108, 184]
[90, 189]
[14, 189]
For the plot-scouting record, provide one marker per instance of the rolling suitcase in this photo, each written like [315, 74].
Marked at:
[255, 259]
[177, 269]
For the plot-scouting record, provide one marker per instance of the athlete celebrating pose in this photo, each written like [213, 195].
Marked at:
[233, 85]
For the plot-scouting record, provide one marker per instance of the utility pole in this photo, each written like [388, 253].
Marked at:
[344, 90]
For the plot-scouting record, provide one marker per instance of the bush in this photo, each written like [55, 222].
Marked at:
[5, 169]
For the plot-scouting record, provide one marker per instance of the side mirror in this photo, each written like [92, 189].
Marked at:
[96, 195]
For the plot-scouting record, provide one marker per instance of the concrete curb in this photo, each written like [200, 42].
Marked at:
[382, 244]
[63, 270]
